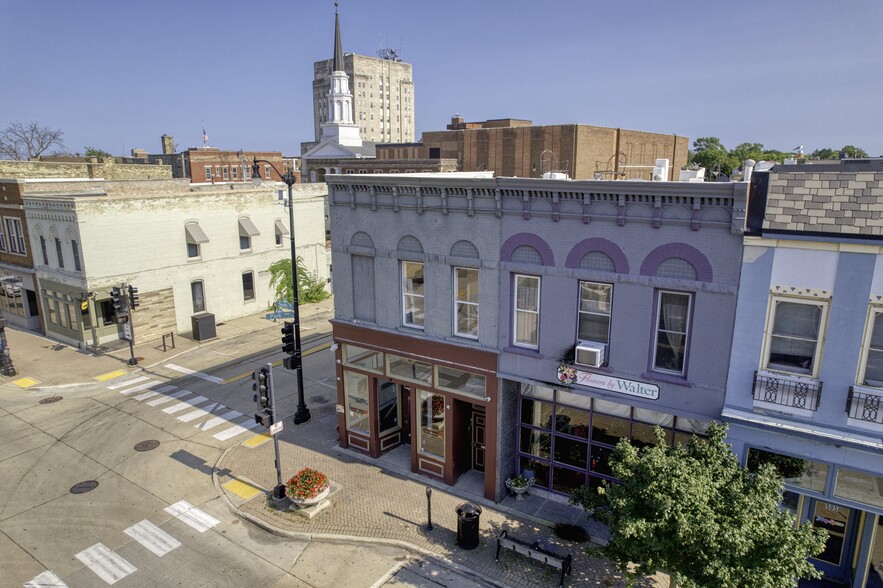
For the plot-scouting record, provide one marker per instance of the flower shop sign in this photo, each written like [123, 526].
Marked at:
[570, 375]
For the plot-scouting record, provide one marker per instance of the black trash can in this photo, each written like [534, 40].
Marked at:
[468, 515]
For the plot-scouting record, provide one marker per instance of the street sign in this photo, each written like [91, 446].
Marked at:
[275, 427]
[127, 332]
[283, 304]
[279, 314]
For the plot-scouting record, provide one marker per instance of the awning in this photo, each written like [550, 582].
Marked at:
[247, 228]
[195, 234]
[281, 228]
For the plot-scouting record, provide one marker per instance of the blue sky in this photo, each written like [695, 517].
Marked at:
[117, 74]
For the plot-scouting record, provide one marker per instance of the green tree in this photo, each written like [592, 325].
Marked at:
[695, 513]
[825, 153]
[853, 151]
[309, 288]
[710, 153]
[745, 151]
[95, 152]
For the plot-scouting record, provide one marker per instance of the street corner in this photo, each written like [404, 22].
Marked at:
[110, 375]
[26, 382]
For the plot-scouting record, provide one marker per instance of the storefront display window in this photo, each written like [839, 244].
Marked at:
[536, 443]
[859, 487]
[802, 473]
[409, 369]
[366, 359]
[454, 380]
[431, 434]
[388, 407]
[536, 413]
[356, 387]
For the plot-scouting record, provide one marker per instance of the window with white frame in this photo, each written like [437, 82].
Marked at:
[234, 172]
[16, 236]
[208, 173]
[872, 364]
[248, 285]
[595, 302]
[412, 294]
[794, 336]
[466, 302]
[226, 172]
[672, 331]
[527, 311]
[267, 171]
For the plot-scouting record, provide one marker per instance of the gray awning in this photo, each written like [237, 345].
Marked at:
[195, 234]
[247, 228]
[281, 228]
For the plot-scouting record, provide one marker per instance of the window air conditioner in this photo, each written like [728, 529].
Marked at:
[590, 353]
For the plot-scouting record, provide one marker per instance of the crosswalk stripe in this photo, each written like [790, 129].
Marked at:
[186, 404]
[152, 393]
[189, 372]
[219, 420]
[46, 580]
[139, 388]
[190, 515]
[200, 412]
[169, 398]
[236, 430]
[152, 537]
[107, 565]
[119, 385]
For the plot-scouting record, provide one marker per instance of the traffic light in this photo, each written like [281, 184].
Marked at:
[261, 386]
[134, 299]
[288, 338]
[116, 295]
[264, 418]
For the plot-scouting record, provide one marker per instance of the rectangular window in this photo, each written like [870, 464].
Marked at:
[234, 172]
[226, 171]
[59, 253]
[872, 367]
[248, 286]
[366, 359]
[16, 235]
[388, 409]
[412, 294]
[208, 173]
[454, 380]
[794, 336]
[356, 388]
[672, 325]
[197, 294]
[431, 433]
[43, 250]
[527, 311]
[217, 171]
[363, 287]
[71, 317]
[192, 250]
[595, 302]
[267, 171]
[244, 242]
[2, 239]
[409, 369]
[75, 249]
[466, 302]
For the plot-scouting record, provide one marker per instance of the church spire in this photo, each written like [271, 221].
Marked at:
[338, 51]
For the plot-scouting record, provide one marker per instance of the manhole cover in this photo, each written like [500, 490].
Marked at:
[146, 445]
[83, 487]
[50, 400]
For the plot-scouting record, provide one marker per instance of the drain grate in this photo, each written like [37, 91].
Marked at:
[83, 487]
[50, 400]
[146, 445]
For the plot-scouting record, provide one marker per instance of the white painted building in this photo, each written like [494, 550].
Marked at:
[188, 248]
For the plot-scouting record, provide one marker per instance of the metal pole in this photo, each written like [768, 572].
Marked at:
[429, 508]
[279, 490]
[302, 414]
[124, 293]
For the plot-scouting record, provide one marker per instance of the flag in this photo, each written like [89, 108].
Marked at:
[204, 137]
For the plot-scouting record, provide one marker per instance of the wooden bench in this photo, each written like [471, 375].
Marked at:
[534, 551]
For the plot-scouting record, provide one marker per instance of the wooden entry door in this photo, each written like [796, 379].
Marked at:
[478, 419]
[405, 399]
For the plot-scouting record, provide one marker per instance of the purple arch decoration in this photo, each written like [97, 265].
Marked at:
[682, 250]
[527, 239]
[598, 244]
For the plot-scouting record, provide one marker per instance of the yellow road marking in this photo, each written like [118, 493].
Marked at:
[241, 489]
[244, 375]
[256, 440]
[111, 375]
[25, 382]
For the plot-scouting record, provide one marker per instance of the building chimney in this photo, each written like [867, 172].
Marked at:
[168, 144]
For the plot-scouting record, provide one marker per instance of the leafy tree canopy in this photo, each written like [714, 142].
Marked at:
[94, 152]
[309, 287]
[695, 513]
[24, 141]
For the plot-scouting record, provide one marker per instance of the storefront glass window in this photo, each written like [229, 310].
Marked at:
[366, 359]
[859, 487]
[409, 369]
[608, 429]
[536, 413]
[536, 442]
[571, 452]
[802, 473]
[455, 380]
[356, 387]
[566, 480]
[431, 434]
[540, 392]
[388, 409]
[572, 421]
[875, 565]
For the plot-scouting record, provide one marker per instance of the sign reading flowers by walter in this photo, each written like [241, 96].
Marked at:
[566, 374]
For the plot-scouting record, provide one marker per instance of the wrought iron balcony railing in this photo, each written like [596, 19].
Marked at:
[787, 391]
[864, 405]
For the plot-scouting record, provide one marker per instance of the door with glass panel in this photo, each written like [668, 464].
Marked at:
[840, 524]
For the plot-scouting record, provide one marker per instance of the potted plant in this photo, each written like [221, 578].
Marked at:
[307, 487]
[519, 484]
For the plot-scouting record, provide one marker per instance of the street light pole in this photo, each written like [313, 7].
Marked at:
[302, 414]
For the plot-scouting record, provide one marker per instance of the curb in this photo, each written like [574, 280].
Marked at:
[329, 538]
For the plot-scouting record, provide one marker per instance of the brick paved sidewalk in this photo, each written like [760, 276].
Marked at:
[375, 503]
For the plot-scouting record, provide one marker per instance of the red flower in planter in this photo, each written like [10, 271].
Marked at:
[306, 484]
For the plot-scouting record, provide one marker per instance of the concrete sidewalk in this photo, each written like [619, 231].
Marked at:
[43, 363]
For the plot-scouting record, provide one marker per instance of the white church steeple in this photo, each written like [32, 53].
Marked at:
[340, 126]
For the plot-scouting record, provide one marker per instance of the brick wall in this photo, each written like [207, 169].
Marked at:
[107, 170]
[156, 315]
